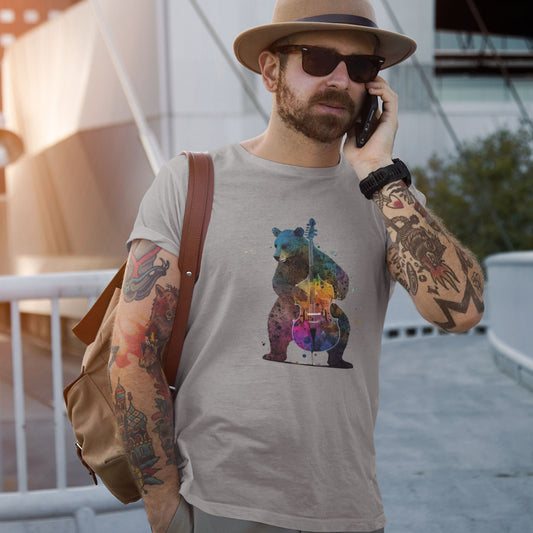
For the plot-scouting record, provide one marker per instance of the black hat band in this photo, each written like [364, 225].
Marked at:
[341, 19]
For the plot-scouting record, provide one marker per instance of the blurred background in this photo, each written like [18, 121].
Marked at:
[84, 84]
[97, 94]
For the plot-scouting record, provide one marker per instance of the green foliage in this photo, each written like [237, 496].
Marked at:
[485, 195]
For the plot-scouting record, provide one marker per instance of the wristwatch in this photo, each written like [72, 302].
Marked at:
[382, 176]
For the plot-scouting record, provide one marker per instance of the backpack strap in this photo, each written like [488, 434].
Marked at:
[195, 222]
[87, 328]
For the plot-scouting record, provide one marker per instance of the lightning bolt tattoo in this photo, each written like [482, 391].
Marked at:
[447, 306]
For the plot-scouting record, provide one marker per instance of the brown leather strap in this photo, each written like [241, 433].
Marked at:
[195, 222]
[87, 328]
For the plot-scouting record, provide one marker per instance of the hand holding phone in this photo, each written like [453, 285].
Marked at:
[367, 121]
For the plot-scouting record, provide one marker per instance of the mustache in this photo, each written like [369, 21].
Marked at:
[332, 96]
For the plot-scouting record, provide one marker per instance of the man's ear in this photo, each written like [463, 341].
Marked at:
[270, 67]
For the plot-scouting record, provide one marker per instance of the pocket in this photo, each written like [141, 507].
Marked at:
[182, 521]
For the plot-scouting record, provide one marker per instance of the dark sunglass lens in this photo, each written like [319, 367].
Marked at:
[362, 69]
[319, 62]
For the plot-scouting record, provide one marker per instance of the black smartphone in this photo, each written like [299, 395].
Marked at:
[366, 123]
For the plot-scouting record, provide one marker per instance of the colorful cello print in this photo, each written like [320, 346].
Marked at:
[308, 283]
[315, 330]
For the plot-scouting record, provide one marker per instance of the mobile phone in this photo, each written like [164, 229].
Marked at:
[366, 123]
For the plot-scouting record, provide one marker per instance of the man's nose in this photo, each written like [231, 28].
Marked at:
[339, 78]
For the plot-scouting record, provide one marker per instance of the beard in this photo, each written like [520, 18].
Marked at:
[317, 126]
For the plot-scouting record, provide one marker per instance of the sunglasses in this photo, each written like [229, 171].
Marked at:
[318, 61]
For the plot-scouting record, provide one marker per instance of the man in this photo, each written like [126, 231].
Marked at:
[278, 381]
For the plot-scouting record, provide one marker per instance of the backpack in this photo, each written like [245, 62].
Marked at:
[88, 398]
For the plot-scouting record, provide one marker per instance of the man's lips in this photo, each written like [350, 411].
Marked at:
[333, 99]
[333, 103]
[333, 107]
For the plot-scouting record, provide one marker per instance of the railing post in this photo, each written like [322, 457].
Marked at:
[18, 397]
[85, 522]
[57, 380]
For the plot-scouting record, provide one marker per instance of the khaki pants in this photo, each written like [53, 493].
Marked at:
[189, 519]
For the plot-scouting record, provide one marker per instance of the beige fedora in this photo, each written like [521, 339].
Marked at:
[294, 16]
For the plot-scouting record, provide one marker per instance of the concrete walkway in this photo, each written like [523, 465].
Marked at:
[454, 440]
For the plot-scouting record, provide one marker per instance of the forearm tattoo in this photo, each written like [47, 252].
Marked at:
[136, 438]
[473, 291]
[417, 258]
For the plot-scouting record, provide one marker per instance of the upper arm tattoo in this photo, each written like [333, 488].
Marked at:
[142, 273]
[159, 325]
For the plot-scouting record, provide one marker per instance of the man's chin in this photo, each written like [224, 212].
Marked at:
[319, 127]
[329, 132]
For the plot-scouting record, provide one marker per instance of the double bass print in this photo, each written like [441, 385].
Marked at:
[308, 284]
[315, 330]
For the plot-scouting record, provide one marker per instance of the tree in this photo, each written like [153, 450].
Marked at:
[485, 195]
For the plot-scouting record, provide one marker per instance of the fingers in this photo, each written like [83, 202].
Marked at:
[377, 152]
[380, 88]
[389, 116]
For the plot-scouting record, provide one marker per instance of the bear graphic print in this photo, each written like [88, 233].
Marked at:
[305, 317]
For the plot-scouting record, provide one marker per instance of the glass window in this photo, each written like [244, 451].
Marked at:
[7, 16]
[449, 40]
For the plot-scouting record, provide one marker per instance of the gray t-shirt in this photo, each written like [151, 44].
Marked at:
[273, 423]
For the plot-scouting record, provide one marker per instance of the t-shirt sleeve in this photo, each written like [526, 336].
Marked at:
[161, 211]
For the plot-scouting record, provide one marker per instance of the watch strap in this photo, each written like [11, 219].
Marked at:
[376, 180]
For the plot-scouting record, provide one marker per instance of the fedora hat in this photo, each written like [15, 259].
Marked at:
[294, 16]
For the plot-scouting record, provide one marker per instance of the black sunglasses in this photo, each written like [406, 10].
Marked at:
[318, 61]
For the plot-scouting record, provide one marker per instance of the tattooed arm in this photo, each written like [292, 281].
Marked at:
[143, 403]
[442, 277]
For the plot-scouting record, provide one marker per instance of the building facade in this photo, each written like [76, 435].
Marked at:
[72, 87]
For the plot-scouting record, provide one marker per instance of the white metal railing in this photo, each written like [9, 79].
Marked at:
[81, 505]
[53, 287]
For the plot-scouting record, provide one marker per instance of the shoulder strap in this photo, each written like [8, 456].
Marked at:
[195, 222]
[87, 328]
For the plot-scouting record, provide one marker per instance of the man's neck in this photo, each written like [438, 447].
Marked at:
[284, 145]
